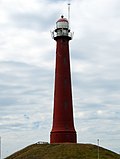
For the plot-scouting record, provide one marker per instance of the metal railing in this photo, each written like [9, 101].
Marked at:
[56, 34]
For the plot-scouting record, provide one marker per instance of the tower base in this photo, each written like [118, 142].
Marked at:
[63, 137]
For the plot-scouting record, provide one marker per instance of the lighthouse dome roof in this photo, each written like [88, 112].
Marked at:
[62, 19]
[62, 23]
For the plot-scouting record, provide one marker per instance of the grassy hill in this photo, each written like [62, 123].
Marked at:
[63, 151]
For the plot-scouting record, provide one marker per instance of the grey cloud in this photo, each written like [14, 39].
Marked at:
[22, 94]
[21, 74]
[14, 127]
[35, 21]
[7, 101]
[21, 126]
[36, 125]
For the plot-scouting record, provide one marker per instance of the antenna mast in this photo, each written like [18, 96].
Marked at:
[69, 12]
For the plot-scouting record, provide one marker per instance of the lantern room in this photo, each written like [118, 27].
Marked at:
[62, 23]
[62, 29]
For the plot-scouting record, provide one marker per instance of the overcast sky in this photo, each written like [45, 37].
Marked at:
[27, 65]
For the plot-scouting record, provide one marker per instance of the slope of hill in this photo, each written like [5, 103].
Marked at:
[63, 151]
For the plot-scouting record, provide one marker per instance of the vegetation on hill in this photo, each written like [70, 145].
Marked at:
[63, 151]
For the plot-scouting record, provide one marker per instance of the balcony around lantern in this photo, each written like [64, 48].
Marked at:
[62, 33]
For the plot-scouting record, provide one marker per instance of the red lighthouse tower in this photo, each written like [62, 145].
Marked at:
[63, 125]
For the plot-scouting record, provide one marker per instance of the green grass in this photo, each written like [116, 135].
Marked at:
[63, 151]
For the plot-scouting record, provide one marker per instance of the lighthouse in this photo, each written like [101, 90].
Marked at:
[63, 130]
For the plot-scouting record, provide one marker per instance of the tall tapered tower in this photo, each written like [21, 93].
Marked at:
[63, 125]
